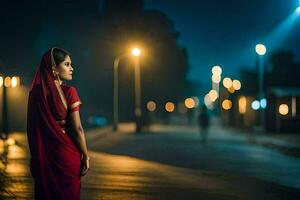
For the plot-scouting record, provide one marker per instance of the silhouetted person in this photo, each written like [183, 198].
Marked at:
[203, 120]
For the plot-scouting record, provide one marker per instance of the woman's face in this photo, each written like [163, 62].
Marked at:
[65, 69]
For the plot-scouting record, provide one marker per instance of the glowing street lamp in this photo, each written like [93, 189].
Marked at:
[261, 51]
[216, 77]
[6, 82]
[136, 52]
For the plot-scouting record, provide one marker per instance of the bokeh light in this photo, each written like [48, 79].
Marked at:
[260, 49]
[10, 141]
[7, 81]
[151, 106]
[208, 102]
[190, 103]
[213, 95]
[227, 104]
[283, 109]
[236, 84]
[14, 81]
[231, 90]
[227, 82]
[216, 78]
[1, 81]
[136, 52]
[263, 103]
[216, 70]
[242, 104]
[196, 99]
[255, 105]
[170, 107]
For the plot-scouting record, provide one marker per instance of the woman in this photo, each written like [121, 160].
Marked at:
[56, 139]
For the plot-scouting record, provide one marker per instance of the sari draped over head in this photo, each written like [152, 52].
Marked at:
[55, 159]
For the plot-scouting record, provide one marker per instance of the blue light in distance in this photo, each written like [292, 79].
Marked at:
[255, 105]
[263, 103]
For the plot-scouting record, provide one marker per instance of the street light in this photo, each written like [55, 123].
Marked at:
[6, 82]
[136, 52]
[216, 77]
[261, 51]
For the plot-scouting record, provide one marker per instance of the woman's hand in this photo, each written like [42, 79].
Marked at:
[85, 162]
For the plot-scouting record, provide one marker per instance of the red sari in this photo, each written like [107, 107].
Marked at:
[55, 159]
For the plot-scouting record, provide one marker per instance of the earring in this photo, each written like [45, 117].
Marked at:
[56, 74]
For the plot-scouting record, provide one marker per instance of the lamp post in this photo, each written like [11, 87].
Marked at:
[261, 51]
[116, 91]
[6, 82]
[136, 52]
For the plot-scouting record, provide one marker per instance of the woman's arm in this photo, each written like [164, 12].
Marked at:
[79, 139]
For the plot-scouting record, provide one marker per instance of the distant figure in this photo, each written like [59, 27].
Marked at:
[59, 156]
[146, 121]
[203, 120]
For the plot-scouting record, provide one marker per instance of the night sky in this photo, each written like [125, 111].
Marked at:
[219, 32]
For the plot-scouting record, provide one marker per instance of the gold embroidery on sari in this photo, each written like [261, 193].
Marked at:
[61, 94]
[74, 105]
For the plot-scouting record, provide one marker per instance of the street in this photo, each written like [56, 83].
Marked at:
[170, 163]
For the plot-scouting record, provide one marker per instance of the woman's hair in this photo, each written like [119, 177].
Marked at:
[59, 55]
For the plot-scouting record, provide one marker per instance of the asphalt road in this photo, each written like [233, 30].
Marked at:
[169, 163]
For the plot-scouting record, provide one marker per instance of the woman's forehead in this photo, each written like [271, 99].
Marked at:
[67, 59]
